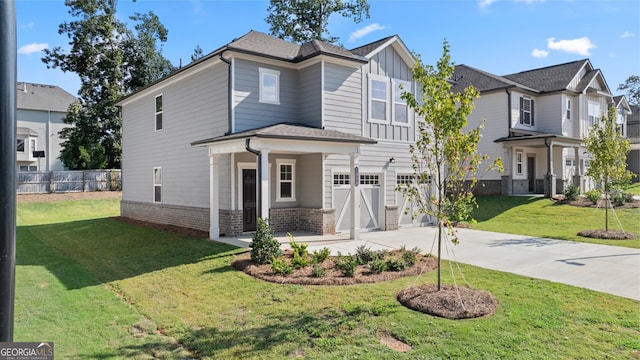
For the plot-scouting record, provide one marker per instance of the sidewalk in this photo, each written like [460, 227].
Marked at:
[610, 269]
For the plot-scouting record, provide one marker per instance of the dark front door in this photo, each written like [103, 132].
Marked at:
[531, 173]
[249, 216]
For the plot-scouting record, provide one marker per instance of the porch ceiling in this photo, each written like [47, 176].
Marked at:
[287, 138]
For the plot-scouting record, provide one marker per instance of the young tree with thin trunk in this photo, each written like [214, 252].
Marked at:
[445, 156]
[305, 20]
[608, 150]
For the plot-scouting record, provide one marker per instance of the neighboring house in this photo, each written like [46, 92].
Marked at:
[536, 122]
[633, 134]
[265, 128]
[41, 109]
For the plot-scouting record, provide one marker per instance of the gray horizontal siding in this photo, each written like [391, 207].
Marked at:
[310, 84]
[342, 99]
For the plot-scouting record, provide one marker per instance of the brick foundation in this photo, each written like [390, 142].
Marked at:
[391, 217]
[184, 216]
[318, 221]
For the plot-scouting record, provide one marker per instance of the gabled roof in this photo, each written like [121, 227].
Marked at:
[621, 101]
[43, 97]
[550, 78]
[367, 49]
[465, 76]
[291, 131]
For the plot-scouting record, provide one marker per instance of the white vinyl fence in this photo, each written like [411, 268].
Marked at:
[30, 182]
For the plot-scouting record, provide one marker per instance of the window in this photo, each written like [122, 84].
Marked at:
[368, 179]
[20, 145]
[286, 190]
[28, 168]
[341, 179]
[404, 179]
[159, 112]
[33, 145]
[570, 162]
[157, 184]
[400, 108]
[526, 111]
[269, 86]
[519, 163]
[593, 113]
[378, 99]
[568, 109]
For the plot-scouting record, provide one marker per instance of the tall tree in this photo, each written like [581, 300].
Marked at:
[445, 156]
[305, 20]
[197, 53]
[608, 150]
[110, 60]
[632, 88]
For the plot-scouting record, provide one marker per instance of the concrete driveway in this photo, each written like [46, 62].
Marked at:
[609, 269]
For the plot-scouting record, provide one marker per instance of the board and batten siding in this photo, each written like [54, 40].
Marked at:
[194, 108]
[342, 99]
[310, 85]
[249, 112]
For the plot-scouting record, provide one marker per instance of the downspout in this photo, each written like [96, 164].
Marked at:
[509, 115]
[229, 92]
[258, 153]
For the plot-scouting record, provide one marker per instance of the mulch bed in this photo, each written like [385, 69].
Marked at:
[609, 235]
[584, 202]
[446, 302]
[333, 277]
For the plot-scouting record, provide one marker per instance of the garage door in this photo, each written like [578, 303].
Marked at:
[370, 195]
[406, 207]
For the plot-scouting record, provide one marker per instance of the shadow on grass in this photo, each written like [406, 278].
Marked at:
[492, 206]
[110, 250]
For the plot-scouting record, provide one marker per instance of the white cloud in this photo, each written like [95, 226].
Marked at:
[539, 53]
[626, 34]
[580, 46]
[30, 25]
[365, 31]
[32, 48]
[483, 4]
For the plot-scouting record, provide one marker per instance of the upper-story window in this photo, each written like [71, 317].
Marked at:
[286, 190]
[568, 109]
[159, 112]
[20, 145]
[269, 86]
[378, 97]
[526, 111]
[593, 112]
[621, 121]
[400, 107]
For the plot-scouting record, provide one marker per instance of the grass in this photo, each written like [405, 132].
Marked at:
[633, 189]
[540, 217]
[104, 289]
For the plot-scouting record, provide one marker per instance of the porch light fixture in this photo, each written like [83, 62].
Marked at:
[392, 160]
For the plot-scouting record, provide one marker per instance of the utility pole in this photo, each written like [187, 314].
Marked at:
[8, 81]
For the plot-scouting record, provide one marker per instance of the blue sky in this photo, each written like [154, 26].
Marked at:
[498, 36]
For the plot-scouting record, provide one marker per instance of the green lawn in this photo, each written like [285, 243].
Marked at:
[104, 289]
[633, 189]
[537, 216]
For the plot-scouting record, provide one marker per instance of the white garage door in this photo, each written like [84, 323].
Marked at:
[370, 197]
[406, 207]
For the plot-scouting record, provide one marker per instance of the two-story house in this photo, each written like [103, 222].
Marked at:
[633, 134]
[40, 110]
[536, 122]
[314, 137]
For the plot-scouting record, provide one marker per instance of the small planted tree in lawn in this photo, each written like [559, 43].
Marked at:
[608, 150]
[445, 157]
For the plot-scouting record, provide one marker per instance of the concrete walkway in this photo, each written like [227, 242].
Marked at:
[609, 269]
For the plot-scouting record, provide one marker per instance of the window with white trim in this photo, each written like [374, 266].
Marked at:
[20, 145]
[519, 163]
[400, 107]
[402, 179]
[34, 146]
[593, 112]
[158, 112]
[369, 179]
[286, 190]
[526, 111]
[157, 184]
[269, 86]
[569, 162]
[568, 109]
[341, 179]
[28, 168]
[378, 98]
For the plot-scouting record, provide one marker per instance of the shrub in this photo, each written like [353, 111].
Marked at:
[346, 264]
[593, 195]
[364, 255]
[378, 266]
[264, 247]
[299, 261]
[280, 267]
[300, 249]
[319, 257]
[396, 264]
[409, 257]
[618, 197]
[571, 192]
[318, 271]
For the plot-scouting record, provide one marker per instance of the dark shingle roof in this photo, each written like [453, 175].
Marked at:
[43, 97]
[368, 48]
[292, 131]
[550, 78]
[465, 76]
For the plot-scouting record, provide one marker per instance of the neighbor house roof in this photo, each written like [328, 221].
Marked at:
[550, 78]
[465, 76]
[291, 131]
[43, 97]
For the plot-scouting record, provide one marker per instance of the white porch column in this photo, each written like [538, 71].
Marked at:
[214, 197]
[355, 196]
[265, 190]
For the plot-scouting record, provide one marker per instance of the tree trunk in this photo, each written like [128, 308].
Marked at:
[439, 251]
